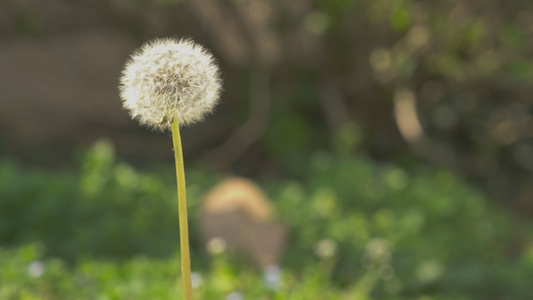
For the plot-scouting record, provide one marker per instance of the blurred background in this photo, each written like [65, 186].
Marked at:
[390, 141]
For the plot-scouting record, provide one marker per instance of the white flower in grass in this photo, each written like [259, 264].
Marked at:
[35, 269]
[196, 279]
[168, 77]
[272, 276]
[236, 295]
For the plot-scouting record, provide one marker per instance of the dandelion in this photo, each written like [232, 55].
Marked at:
[167, 83]
[167, 78]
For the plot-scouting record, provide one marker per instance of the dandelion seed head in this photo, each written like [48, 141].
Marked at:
[168, 77]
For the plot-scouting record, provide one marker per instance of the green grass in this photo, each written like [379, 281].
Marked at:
[108, 231]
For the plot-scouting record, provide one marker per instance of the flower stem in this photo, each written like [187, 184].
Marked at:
[182, 208]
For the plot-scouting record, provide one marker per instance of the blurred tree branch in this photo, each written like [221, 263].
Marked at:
[256, 125]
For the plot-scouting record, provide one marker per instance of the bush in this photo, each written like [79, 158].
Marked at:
[359, 230]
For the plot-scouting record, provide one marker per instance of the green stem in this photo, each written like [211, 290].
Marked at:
[182, 208]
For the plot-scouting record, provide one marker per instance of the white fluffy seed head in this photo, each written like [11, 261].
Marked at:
[168, 77]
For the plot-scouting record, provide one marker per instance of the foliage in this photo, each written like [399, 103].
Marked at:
[467, 65]
[359, 230]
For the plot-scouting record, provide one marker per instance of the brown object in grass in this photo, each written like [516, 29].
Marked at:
[241, 214]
